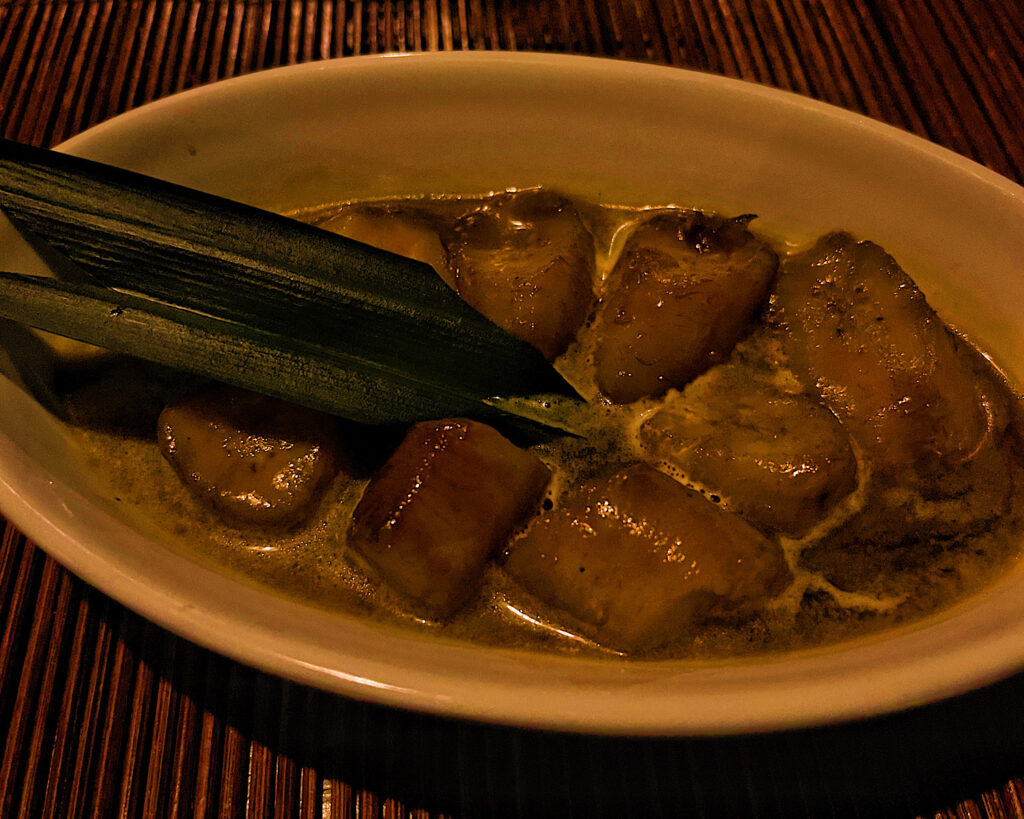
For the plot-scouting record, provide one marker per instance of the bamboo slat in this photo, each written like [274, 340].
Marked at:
[108, 715]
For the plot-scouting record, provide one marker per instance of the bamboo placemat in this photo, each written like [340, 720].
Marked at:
[108, 715]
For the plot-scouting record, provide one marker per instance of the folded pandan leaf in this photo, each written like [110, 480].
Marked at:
[281, 307]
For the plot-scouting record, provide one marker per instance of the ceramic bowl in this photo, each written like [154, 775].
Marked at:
[608, 131]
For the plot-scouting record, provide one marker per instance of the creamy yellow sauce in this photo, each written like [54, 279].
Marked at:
[311, 563]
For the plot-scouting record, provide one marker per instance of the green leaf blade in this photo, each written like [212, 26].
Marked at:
[248, 357]
[386, 314]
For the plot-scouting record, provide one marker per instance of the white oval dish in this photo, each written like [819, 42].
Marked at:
[613, 131]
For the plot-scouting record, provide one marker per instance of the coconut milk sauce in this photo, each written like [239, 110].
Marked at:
[311, 563]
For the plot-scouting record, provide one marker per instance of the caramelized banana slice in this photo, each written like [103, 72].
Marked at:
[859, 332]
[445, 500]
[257, 460]
[679, 298]
[779, 460]
[525, 260]
[640, 559]
[399, 233]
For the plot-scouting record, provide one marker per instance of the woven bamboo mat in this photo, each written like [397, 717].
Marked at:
[108, 715]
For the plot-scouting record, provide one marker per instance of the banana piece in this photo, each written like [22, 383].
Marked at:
[526, 261]
[681, 295]
[639, 559]
[780, 460]
[442, 504]
[257, 460]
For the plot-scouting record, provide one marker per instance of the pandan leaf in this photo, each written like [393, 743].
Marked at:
[316, 376]
[397, 340]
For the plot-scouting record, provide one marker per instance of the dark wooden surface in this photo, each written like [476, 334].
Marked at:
[105, 714]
